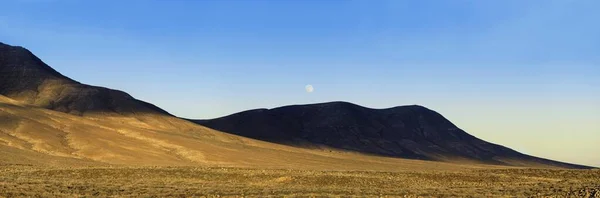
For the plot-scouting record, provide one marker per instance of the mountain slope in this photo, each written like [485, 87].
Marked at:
[26, 78]
[37, 136]
[47, 118]
[408, 131]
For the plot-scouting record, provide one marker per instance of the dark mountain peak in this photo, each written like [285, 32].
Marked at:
[4, 45]
[20, 64]
[411, 131]
[413, 107]
[335, 104]
[25, 77]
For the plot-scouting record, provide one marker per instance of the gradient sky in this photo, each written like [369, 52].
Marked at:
[524, 74]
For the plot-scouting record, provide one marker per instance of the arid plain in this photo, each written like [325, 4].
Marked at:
[198, 181]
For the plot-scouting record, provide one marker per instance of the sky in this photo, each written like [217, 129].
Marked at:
[523, 74]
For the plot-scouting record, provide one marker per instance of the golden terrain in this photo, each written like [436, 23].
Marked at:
[45, 153]
[23, 181]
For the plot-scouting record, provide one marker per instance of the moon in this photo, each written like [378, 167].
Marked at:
[309, 88]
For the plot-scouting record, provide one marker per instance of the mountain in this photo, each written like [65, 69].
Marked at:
[413, 132]
[26, 78]
[48, 119]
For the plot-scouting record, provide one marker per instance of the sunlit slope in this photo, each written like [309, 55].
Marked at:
[31, 135]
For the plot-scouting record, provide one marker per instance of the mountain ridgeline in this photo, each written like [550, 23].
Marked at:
[24, 77]
[406, 131]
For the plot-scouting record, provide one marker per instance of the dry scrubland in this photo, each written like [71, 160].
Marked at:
[18, 181]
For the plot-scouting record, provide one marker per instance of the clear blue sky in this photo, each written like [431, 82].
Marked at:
[525, 74]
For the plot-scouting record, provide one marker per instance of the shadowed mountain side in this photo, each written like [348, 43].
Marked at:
[413, 132]
[24, 77]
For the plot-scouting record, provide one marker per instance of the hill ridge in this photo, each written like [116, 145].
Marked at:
[408, 131]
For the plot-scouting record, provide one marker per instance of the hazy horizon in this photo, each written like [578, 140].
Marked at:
[525, 75]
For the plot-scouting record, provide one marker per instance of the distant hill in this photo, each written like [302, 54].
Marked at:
[412, 132]
[26, 78]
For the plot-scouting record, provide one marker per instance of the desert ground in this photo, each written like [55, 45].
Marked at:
[29, 181]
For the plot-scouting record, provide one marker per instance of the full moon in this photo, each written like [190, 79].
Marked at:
[309, 88]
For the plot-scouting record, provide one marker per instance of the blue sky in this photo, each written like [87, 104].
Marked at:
[525, 74]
